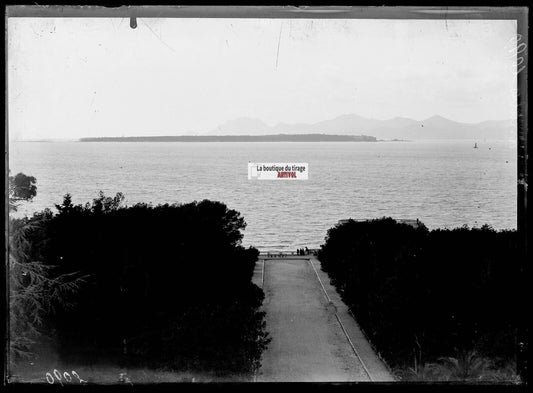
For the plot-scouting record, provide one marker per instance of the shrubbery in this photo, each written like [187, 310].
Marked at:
[423, 296]
[166, 286]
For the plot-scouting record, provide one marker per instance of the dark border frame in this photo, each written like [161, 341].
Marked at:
[518, 13]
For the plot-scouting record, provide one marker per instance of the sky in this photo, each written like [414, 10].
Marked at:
[86, 77]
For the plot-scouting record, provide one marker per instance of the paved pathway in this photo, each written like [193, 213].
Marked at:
[314, 338]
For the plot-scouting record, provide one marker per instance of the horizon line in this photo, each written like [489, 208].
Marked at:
[200, 133]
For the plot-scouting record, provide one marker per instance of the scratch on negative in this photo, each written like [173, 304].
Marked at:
[279, 42]
[156, 36]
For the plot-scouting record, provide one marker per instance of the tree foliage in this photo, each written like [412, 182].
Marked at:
[170, 285]
[36, 290]
[21, 188]
[423, 295]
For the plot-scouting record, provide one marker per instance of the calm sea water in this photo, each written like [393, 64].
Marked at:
[442, 183]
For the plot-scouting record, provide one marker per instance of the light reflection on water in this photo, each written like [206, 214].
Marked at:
[442, 183]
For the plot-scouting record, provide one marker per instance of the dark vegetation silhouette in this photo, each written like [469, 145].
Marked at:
[36, 290]
[21, 188]
[166, 286]
[427, 299]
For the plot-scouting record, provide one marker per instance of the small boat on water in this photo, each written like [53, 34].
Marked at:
[475, 145]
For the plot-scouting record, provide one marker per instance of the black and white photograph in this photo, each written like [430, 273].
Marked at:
[265, 194]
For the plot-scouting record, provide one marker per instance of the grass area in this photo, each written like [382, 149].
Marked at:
[469, 367]
[110, 375]
[101, 372]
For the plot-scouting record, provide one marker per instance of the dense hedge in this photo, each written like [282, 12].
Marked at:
[167, 285]
[421, 295]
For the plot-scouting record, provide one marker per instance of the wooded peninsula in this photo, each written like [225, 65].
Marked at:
[237, 138]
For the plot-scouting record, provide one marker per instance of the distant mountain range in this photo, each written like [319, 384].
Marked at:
[435, 127]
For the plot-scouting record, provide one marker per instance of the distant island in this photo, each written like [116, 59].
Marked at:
[237, 138]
